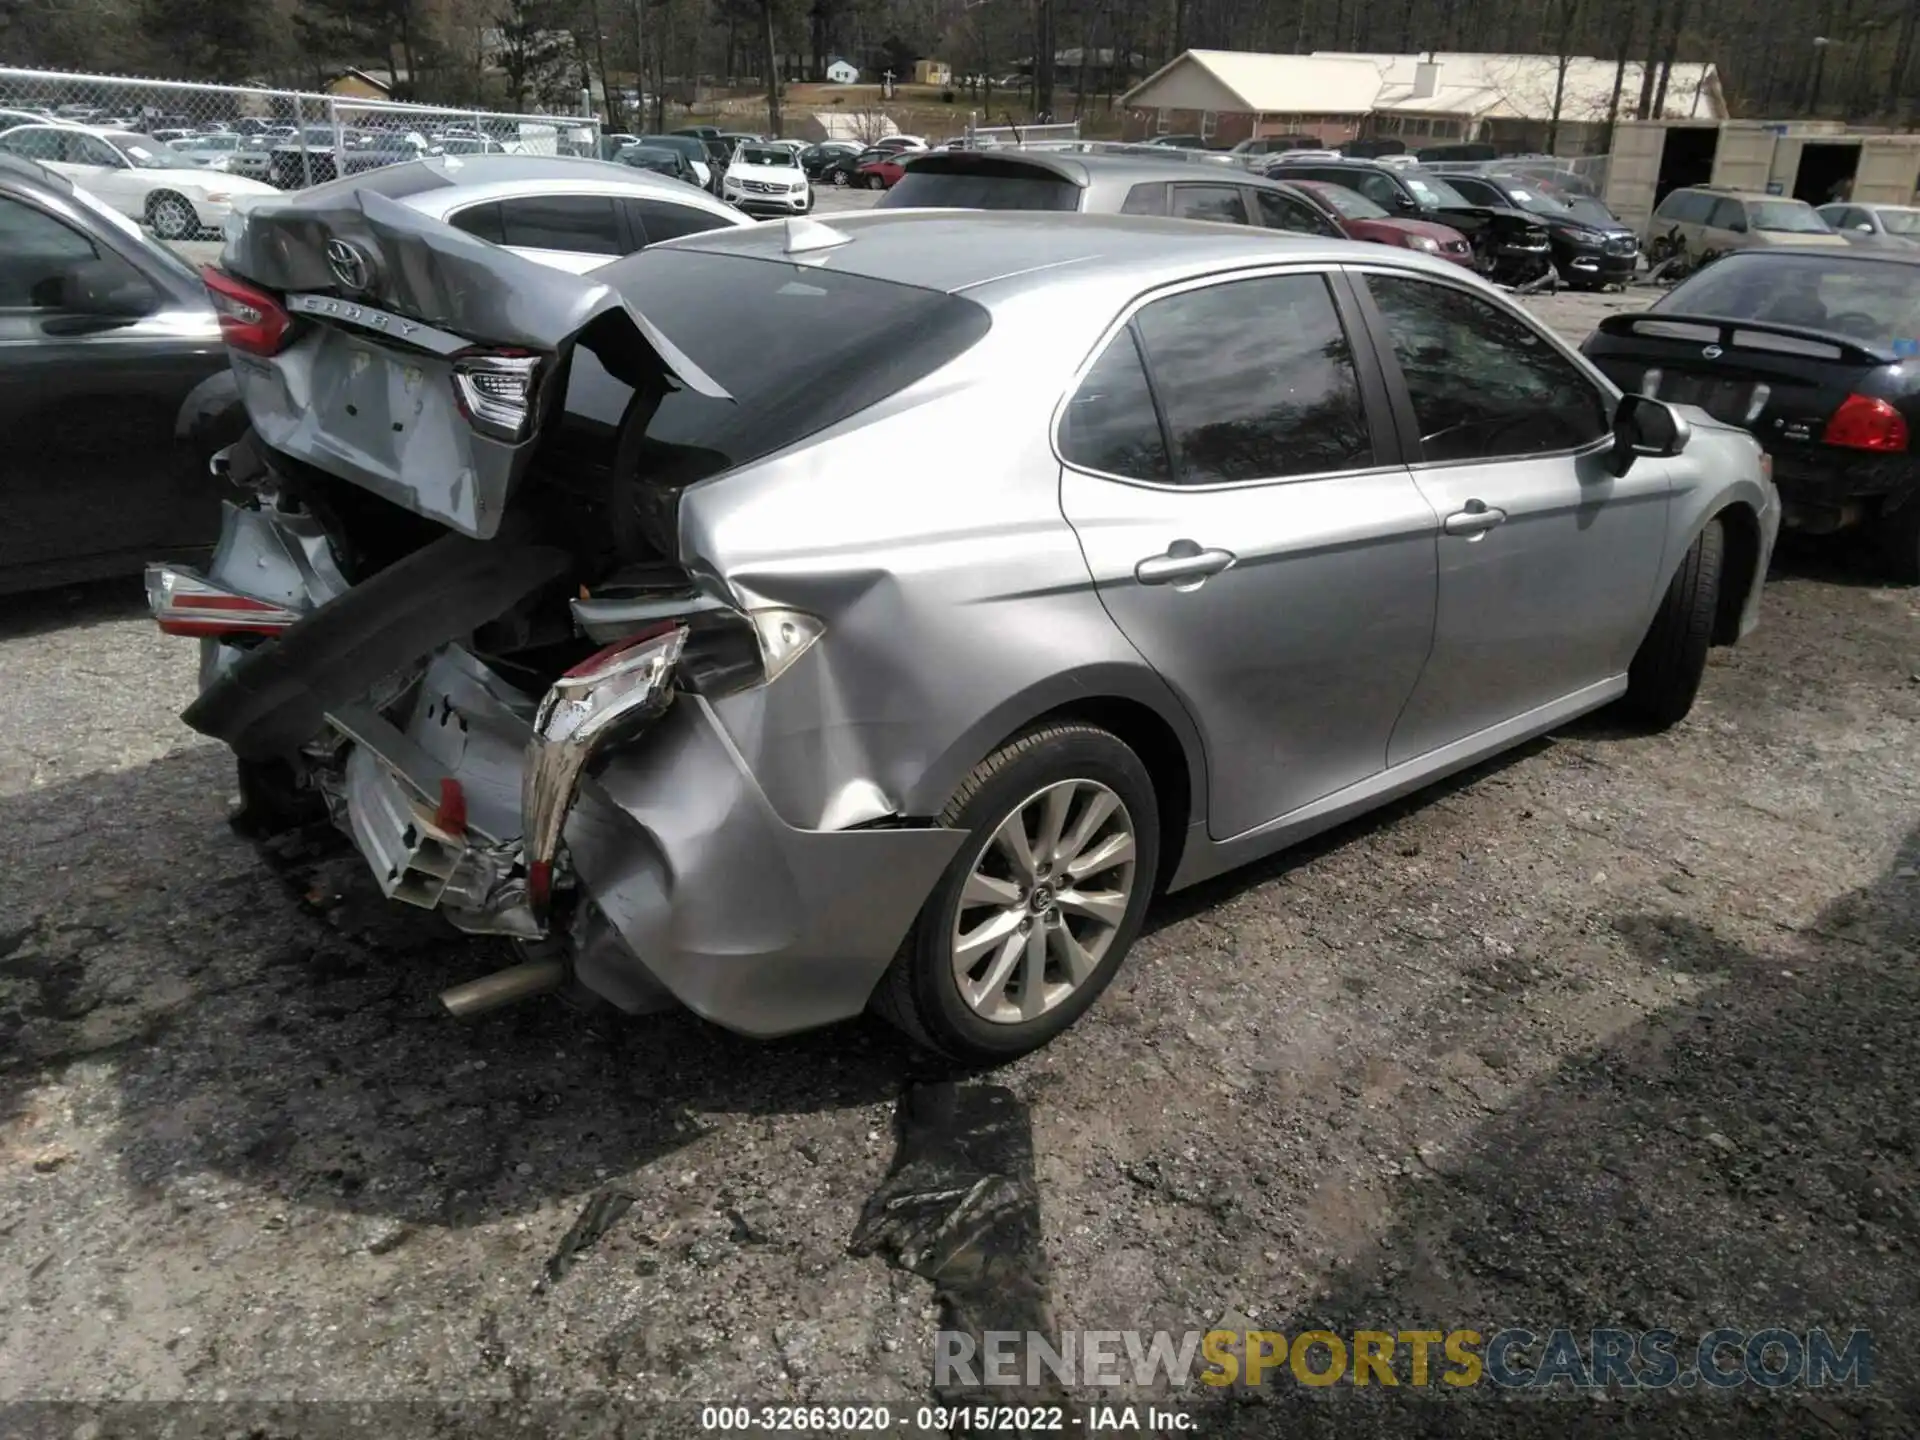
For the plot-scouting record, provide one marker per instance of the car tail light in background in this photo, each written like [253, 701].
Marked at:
[495, 389]
[251, 319]
[1865, 423]
[184, 603]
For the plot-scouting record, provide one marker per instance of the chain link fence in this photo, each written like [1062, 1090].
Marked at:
[286, 138]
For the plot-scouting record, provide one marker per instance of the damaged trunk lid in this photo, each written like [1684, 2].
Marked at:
[407, 357]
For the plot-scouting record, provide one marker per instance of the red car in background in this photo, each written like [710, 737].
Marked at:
[1358, 218]
[883, 173]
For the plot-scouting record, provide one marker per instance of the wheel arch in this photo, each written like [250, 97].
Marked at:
[1135, 707]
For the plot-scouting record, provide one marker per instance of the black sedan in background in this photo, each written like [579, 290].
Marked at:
[1591, 247]
[1815, 354]
[661, 161]
[115, 390]
[816, 158]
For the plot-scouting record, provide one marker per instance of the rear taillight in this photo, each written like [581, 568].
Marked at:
[251, 319]
[496, 391]
[1865, 423]
[184, 603]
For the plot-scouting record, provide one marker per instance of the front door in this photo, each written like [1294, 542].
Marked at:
[1252, 533]
[1548, 562]
[97, 465]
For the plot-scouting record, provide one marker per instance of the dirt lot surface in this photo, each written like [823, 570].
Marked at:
[1616, 1031]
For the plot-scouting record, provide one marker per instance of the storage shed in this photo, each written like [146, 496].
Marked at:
[1811, 160]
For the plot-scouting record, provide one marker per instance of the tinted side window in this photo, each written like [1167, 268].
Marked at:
[1477, 191]
[480, 220]
[1284, 212]
[34, 144]
[1376, 187]
[1728, 215]
[584, 224]
[657, 220]
[1220, 203]
[1109, 424]
[35, 251]
[1484, 385]
[1256, 380]
[89, 150]
[1145, 200]
[1686, 207]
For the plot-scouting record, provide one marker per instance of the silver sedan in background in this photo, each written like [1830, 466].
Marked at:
[798, 619]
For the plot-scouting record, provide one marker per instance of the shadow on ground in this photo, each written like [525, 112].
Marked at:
[304, 1050]
[1750, 1159]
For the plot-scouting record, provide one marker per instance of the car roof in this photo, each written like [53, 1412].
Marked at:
[1725, 193]
[1007, 252]
[1774, 254]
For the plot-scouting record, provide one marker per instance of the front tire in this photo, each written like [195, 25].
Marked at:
[874, 182]
[1666, 670]
[1038, 910]
[171, 217]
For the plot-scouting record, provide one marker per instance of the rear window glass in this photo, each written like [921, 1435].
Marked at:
[982, 185]
[1877, 301]
[868, 339]
[396, 182]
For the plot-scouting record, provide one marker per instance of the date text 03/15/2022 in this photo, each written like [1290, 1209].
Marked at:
[1021, 1420]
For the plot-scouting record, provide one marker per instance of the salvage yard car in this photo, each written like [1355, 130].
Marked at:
[1812, 353]
[137, 176]
[800, 618]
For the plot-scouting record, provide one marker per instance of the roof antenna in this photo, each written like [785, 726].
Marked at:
[804, 236]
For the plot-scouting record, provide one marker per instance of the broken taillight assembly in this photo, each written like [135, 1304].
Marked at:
[1865, 423]
[608, 693]
[496, 390]
[251, 319]
[184, 603]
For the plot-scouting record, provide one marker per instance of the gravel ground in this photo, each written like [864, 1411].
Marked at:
[1616, 1030]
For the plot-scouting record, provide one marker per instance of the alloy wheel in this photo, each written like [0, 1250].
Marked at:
[173, 218]
[840, 178]
[1047, 893]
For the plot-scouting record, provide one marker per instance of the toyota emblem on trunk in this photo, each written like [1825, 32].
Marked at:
[349, 264]
[1712, 352]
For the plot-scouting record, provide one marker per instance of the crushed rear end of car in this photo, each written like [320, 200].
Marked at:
[459, 618]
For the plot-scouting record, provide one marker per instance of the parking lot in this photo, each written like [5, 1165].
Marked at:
[1615, 1030]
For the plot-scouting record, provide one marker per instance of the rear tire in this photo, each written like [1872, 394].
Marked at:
[840, 179]
[1665, 674]
[1047, 948]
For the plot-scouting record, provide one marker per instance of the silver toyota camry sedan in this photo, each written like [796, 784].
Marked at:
[798, 619]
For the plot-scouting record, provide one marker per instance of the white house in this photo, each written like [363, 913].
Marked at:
[842, 72]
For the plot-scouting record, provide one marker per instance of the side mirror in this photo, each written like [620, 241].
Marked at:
[1645, 426]
[105, 290]
[1406, 204]
[1737, 227]
[1864, 229]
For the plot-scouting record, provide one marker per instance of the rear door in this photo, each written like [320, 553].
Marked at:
[1252, 532]
[1548, 563]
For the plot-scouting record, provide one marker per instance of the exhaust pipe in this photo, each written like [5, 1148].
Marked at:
[504, 987]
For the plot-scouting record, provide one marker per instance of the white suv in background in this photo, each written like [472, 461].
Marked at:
[767, 180]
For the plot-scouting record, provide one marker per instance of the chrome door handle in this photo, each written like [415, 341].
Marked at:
[1184, 560]
[1478, 518]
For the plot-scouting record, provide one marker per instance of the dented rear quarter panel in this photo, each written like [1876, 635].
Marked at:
[928, 526]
